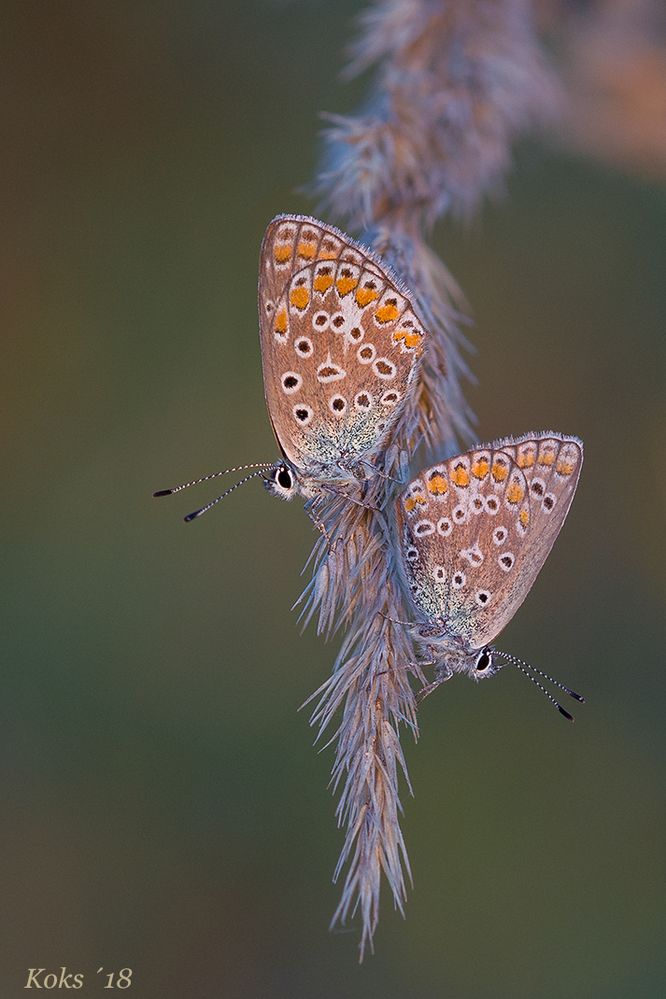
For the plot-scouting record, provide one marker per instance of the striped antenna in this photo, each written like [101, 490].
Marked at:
[213, 475]
[208, 506]
[526, 667]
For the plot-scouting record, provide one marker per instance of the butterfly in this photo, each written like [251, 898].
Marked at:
[473, 533]
[340, 347]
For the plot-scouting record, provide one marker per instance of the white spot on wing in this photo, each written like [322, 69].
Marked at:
[384, 368]
[500, 535]
[549, 502]
[444, 527]
[473, 555]
[366, 353]
[363, 401]
[390, 398]
[320, 321]
[329, 371]
[303, 346]
[302, 414]
[459, 514]
[423, 528]
[492, 505]
[291, 381]
[506, 561]
[337, 405]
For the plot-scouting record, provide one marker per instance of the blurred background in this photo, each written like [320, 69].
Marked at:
[164, 809]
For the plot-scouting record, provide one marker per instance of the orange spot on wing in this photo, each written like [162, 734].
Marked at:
[480, 468]
[565, 467]
[547, 458]
[345, 285]
[366, 295]
[515, 493]
[438, 485]
[323, 282]
[307, 250]
[281, 321]
[327, 255]
[500, 472]
[460, 476]
[410, 503]
[386, 313]
[410, 339]
[524, 517]
[282, 253]
[299, 297]
[526, 459]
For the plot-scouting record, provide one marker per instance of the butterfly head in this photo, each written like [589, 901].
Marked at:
[478, 664]
[483, 663]
[281, 481]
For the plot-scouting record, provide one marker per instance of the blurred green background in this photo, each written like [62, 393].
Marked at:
[163, 806]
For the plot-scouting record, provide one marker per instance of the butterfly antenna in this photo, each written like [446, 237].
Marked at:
[213, 475]
[526, 667]
[551, 679]
[208, 506]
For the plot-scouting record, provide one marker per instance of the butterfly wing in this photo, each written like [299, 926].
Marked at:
[340, 343]
[474, 531]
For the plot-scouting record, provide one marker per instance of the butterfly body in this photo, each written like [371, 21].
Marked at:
[286, 482]
[450, 654]
[473, 533]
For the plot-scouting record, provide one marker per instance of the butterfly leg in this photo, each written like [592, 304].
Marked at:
[408, 665]
[321, 527]
[443, 675]
[394, 620]
[337, 492]
[377, 471]
[319, 524]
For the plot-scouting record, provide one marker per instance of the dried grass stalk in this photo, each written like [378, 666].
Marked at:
[454, 82]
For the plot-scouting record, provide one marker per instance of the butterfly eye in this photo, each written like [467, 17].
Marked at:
[284, 478]
[483, 662]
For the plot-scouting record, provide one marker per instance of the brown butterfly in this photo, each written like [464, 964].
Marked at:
[473, 534]
[340, 346]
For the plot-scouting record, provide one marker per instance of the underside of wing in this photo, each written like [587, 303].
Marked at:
[474, 531]
[340, 342]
